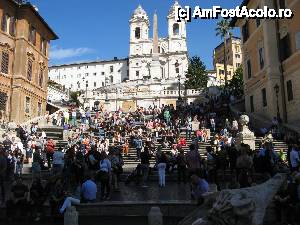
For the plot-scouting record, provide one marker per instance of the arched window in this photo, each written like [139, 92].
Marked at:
[137, 33]
[175, 28]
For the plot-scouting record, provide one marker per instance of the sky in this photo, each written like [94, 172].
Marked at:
[99, 29]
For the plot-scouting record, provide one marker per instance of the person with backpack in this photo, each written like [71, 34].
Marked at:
[138, 146]
[50, 146]
[104, 176]
[161, 166]
[116, 165]
[181, 166]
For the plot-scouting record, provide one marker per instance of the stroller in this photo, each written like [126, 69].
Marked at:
[135, 175]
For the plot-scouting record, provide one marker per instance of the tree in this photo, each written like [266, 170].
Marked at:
[236, 85]
[223, 30]
[74, 97]
[196, 75]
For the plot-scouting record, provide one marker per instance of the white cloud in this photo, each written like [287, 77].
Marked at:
[63, 53]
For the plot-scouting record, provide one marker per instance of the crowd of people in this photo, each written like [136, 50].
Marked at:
[165, 141]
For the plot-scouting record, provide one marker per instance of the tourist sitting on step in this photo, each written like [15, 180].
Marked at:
[16, 206]
[199, 188]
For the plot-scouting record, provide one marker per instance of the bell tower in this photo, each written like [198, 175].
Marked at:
[139, 31]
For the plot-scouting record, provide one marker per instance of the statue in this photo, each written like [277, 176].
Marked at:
[244, 206]
[245, 136]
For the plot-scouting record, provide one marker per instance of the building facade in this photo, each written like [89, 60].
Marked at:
[271, 62]
[234, 58]
[24, 44]
[171, 49]
[150, 75]
[90, 75]
[57, 93]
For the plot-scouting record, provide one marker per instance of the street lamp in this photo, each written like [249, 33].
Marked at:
[86, 86]
[179, 79]
[276, 88]
[106, 94]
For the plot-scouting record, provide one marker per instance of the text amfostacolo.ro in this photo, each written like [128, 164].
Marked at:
[187, 13]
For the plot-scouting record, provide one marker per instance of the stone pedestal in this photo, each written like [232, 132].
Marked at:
[155, 216]
[245, 136]
[71, 216]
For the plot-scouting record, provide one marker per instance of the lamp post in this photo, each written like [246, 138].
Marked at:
[276, 88]
[106, 94]
[86, 87]
[179, 79]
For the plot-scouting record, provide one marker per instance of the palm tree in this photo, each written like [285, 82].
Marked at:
[223, 30]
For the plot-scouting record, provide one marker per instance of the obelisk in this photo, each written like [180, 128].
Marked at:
[155, 64]
[155, 34]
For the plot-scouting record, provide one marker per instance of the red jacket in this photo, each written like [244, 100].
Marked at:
[50, 146]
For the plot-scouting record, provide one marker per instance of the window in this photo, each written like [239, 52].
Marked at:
[78, 85]
[5, 62]
[29, 69]
[261, 58]
[95, 74]
[137, 73]
[102, 73]
[41, 78]
[245, 32]
[289, 88]
[177, 70]
[86, 74]
[12, 26]
[249, 68]
[32, 35]
[221, 71]
[43, 46]
[285, 50]
[137, 33]
[71, 86]
[175, 29]
[4, 23]
[95, 84]
[237, 56]
[39, 109]
[27, 105]
[264, 97]
[111, 69]
[111, 79]
[251, 104]
[237, 64]
[102, 84]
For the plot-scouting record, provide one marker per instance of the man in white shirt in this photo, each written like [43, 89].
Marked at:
[295, 160]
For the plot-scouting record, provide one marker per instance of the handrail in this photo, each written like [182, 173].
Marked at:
[39, 118]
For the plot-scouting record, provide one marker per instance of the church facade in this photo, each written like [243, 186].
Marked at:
[149, 76]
